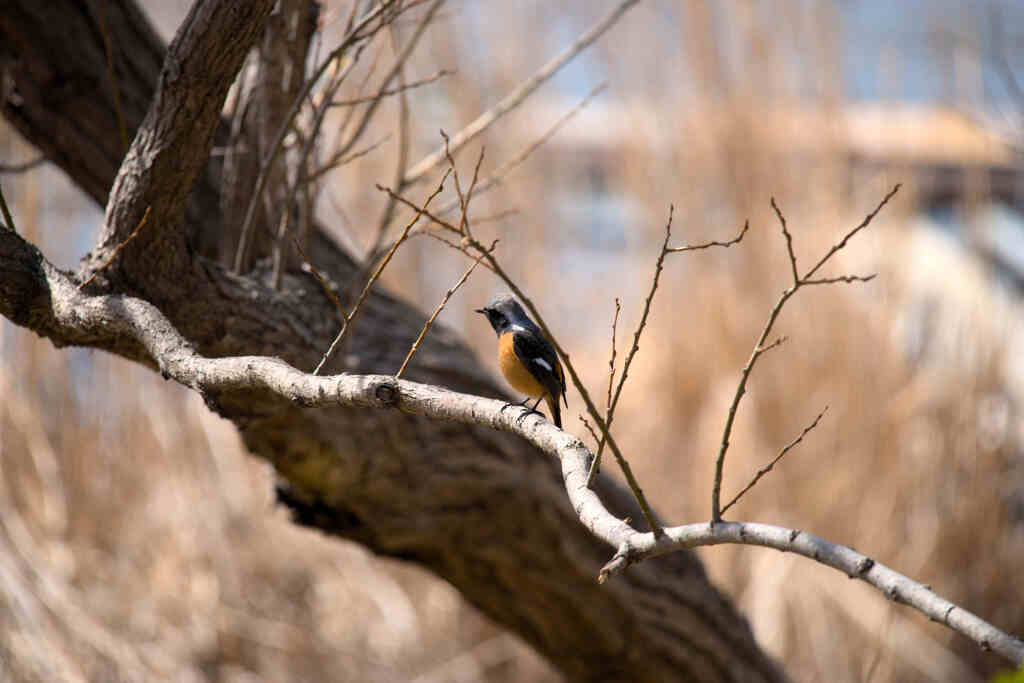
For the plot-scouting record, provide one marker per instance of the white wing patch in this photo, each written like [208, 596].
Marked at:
[543, 363]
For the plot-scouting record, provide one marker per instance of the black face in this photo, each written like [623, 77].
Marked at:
[497, 319]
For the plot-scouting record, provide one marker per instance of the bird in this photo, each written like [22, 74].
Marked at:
[526, 358]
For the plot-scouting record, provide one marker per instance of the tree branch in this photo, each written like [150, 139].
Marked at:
[514, 98]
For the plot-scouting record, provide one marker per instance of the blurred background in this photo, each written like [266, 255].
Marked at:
[138, 541]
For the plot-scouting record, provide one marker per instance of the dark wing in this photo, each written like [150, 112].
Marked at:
[531, 348]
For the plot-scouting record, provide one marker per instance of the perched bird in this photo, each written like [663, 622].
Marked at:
[525, 356]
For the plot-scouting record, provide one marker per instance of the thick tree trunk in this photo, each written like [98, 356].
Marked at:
[481, 509]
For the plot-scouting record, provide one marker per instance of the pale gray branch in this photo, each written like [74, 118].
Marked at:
[76, 317]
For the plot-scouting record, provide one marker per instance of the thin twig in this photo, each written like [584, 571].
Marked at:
[776, 459]
[846, 238]
[393, 91]
[659, 265]
[461, 198]
[117, 249]
[8, 221]
[471, 247]
[789, 243]
[396, 68]
[611, 361]
[760, 347]
[464, 220]
[502, 171]
[627, 471]
[437, 311]
[514, 98]
[706, 245]
[268, 162]
[350, 318]
[590, 428]
[777, 342]
[403, 159]
[323, 282]
[337, 161]
[840, 278]
[453, 245]
[430, 216]
[495, 216]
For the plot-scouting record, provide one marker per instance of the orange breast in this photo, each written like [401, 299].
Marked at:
[517, 375]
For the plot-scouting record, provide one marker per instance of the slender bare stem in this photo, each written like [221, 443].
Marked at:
[496, 178]
[846, 238]
[707, 245]
[320, 278]
[117, 250]
[611, 361]
[768, 468]
[353, 36]
[350, 318]
[430, 321]
[760, 347]
[659, 265]
[402, 88]
[513, 99]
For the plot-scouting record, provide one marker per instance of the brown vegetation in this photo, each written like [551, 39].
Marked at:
[139, 541]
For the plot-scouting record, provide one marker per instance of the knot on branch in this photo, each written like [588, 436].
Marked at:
[386, 393]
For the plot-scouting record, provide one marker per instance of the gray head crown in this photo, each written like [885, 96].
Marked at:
[504, 312]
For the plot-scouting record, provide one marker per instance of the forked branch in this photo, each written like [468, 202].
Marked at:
[761, 346]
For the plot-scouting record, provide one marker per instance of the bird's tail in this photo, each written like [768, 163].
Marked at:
[556, 410]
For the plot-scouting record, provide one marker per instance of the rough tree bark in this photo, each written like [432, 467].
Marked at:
[482, 509]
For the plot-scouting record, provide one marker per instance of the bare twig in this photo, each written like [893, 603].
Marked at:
[777, 342]
[611, 361]
[396, 68]
[768, 468]
[464, 220]
[117, 250]
[97, 320]
[840, 278]
[490, 218]
[430, 216]
[514, 98]
[430, 321]
[320, 278]
[350, 318]
[471, 247]
[760, 347]
[502, 171]
[789, 242]
[846, 238]
[403, 159]
[453, 245]
[665, 250]
[707, 245]
[659, 265]
[590, 428]
[352, 37]
[337, 161]
[404, 87]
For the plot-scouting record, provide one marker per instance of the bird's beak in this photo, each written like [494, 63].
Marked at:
[482, 310]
